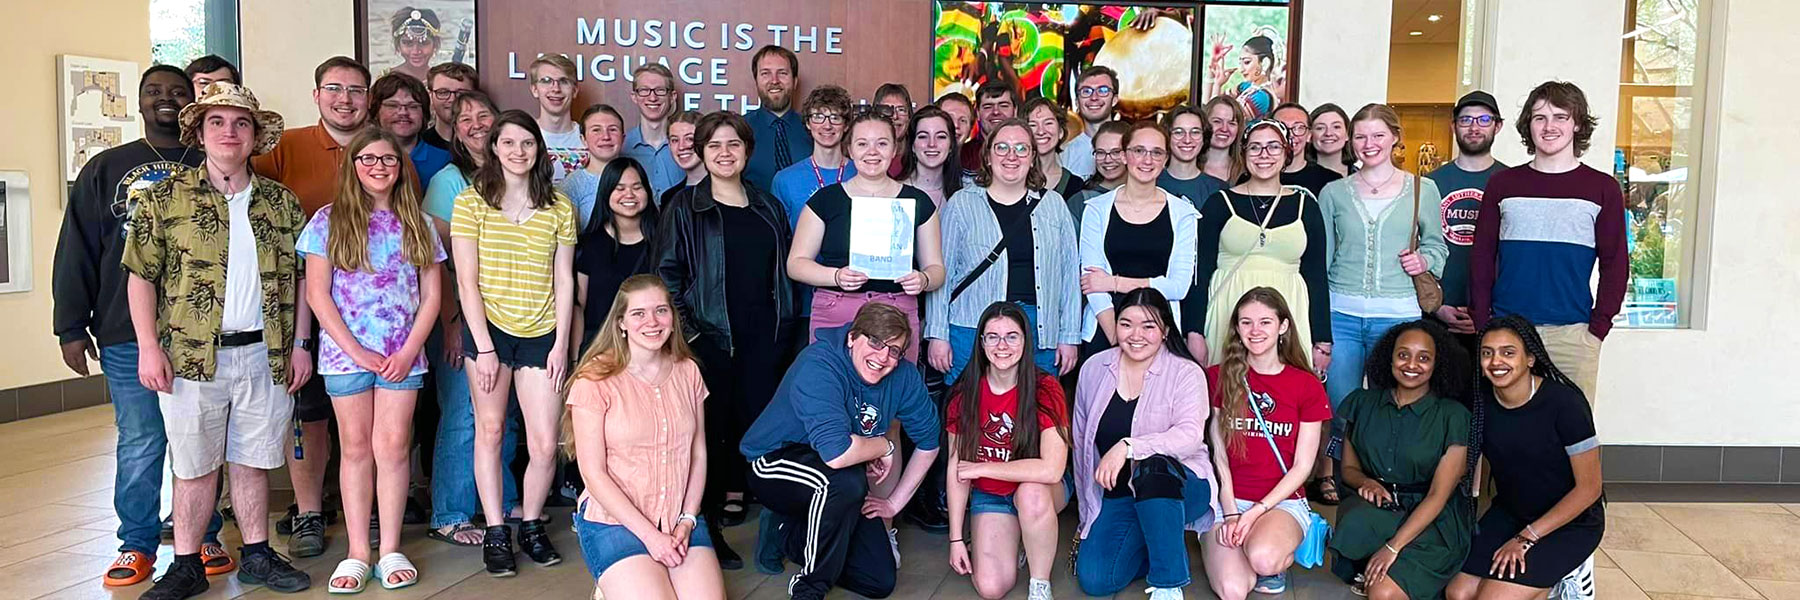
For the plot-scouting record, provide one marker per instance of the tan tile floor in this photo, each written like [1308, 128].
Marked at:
[56, 538]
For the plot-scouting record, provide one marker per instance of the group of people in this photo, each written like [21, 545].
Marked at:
[1245, 312]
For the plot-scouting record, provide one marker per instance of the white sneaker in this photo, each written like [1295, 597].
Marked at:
[1577, 585]
[1164, 593]
[894, 542]
[1040, 590]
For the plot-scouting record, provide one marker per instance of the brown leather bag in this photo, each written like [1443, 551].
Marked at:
[1430, 292]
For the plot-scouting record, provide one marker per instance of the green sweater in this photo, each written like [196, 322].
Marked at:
[1365, 248]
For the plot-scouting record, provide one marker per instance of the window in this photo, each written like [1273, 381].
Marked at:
[1662, 104]
[183, 30]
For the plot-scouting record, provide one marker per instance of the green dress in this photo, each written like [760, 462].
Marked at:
[1403, 446]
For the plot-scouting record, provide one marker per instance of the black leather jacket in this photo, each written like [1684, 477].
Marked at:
[692, 263]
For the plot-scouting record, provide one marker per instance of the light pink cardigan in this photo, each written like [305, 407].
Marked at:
[1170, 420]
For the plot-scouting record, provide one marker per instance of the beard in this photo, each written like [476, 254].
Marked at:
[771, 103]
[1475, 149]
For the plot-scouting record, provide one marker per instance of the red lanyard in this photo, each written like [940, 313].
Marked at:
[821, 176]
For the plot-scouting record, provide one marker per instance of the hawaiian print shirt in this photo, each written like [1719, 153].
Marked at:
[178, 239]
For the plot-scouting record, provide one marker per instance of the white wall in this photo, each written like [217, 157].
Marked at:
[1730, 383]
[1533, 41]
[284, 41]
[1344, 52]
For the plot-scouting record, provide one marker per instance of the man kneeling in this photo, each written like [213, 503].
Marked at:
[820, 457]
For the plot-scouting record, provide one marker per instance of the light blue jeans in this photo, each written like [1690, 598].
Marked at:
[453, 496]
[137, 480]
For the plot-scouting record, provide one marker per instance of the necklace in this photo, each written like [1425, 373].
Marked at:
[1375, 188]
[159, 154]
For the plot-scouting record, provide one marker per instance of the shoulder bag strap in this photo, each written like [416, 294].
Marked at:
[1414, 226]
[1267, 432]
[1006, 229]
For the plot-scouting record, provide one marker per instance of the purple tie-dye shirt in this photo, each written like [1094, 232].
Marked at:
[379, 302]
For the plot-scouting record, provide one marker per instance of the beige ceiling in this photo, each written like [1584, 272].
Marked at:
[1412, 15]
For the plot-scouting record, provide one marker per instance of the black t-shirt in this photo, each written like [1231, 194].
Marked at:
[1067, 184]
[1139, 251]
[88, 288]
[832, 205]
[1529, 448]
[749, 268]
[1312, 177]
[1115, 425]
[607, 264]
[430, 136]
[1021, 256]
[669, 194]
[1462, 204]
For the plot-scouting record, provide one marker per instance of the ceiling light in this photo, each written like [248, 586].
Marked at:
[1415, 33]
[1435, 18]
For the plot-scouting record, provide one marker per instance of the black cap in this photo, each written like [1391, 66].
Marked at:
[1478, 98]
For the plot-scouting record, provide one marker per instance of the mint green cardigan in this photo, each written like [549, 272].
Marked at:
[1365, 249]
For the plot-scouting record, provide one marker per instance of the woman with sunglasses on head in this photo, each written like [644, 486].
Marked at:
[1109, 166]
[1260, 233]
[821, 252]
[1143, 473]
[1134, 237]
[1009, 428]
[1406, 530]
[932, 164]
[513, 236]
[1188, 137]
[1537, 432]
[1007, 240]
[1049, 126]
[617, 242]
[1271, 410]
[723, 252]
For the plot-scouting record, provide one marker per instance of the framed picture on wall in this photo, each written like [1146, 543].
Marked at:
[15, 232]
[1246, 56]
[411, 36]
[98, 108]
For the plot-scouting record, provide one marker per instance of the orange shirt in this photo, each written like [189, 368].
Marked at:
[650, 430]
[306, 161]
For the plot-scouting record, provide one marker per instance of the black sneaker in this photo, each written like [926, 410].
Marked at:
[271, 570]
[168, 528]
[497, 552]
[416, 513]
[285, 524]
[928, 518]
[728, 558]
[308, 538]
[536, 543]
[178, 583]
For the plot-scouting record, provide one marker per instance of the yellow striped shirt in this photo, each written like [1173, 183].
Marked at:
[517, 275]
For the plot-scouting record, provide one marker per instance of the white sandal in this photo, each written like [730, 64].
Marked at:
[395, 562]
[351, 568]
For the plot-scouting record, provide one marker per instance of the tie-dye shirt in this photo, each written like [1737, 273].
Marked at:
[378, 302]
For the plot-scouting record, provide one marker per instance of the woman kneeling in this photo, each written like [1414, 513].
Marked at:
[635, 419]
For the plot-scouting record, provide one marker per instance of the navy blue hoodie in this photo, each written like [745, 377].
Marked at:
[822, 402]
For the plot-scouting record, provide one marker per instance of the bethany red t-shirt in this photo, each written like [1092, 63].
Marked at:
[1286, 399]
[998, 413]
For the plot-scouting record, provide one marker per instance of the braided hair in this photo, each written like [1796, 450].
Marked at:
[1484, 389]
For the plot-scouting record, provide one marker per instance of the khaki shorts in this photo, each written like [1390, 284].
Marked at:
[1576, 353]
[242, 416]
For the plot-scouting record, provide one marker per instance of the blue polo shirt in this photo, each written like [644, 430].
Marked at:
[428, 160]
[762, 168]
[659, 161]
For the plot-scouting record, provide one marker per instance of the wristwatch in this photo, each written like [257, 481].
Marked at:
[305, 343]
[689, 517]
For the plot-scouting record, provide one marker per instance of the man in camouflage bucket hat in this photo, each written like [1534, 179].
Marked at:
[214, 305]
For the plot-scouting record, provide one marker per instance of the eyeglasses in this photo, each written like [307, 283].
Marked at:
[1109, 154]
[369, 160]
[821, 118]
[1095, 90]
[893, 350]
[1262, 149]
[1482, 120]
[994, 339]
[443, 94]
[1015, 149]
[556, 82]
[1188, 132]
[891, 111]
[392, 105]
[355, 91]
[648, 92]
[1145, 151]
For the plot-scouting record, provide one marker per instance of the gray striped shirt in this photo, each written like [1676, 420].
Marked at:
[971, 230]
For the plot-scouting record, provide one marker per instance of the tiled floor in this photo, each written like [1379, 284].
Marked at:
[56, 538]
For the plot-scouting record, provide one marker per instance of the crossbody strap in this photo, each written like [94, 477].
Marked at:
[1007, 230]
[1268, 433]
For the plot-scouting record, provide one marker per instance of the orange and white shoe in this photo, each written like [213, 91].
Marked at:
[130, 568]
[217, 561]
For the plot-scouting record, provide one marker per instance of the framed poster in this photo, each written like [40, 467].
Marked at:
[411, 36]
[15, 231]
[97, 108]
[1247, 56]
[1041, 47]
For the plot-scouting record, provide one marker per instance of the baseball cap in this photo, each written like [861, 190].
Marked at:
[1479, 98]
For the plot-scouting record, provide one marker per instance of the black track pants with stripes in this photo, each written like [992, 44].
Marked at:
[825, 531]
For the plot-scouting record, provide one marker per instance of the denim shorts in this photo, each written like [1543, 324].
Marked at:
[1294, 507]
[983, 502]
[351, 384]
[603, 544]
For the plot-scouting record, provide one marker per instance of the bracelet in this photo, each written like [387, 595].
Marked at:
[927, 277]
[481, 352]
[1524, 543]
[1230, 515]
[1535, 536]
[958, 541]
[890, 450]
[1390, 548]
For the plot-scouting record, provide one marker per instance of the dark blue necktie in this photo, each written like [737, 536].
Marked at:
[783, 157]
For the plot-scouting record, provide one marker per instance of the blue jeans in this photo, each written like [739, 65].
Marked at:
[962, 346]
[453, 496]
[137, 482]
[1143, 535]
[1351, 340]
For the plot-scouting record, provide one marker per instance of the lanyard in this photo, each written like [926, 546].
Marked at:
[820, 177]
